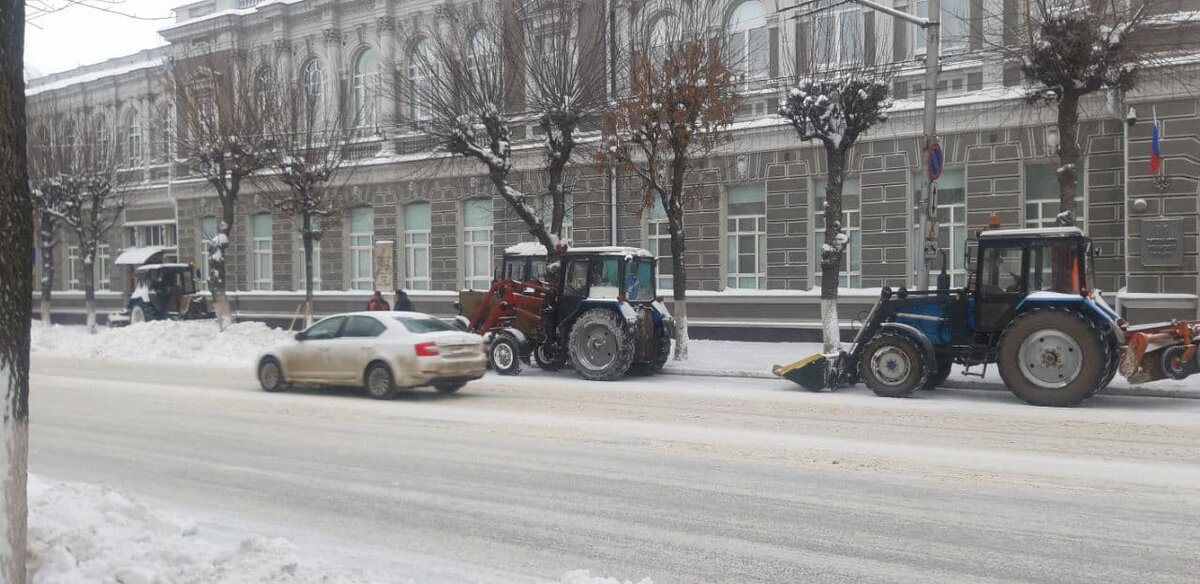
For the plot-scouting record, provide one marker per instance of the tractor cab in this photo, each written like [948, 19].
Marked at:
[159, 288]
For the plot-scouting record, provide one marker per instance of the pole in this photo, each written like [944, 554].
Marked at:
[926, 205]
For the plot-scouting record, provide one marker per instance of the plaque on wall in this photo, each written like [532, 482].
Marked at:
[384, 268]
[1162, 243]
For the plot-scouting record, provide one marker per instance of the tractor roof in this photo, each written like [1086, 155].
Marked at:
[1034, 233]
[152, 267]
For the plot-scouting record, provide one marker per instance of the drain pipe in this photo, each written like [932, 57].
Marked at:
[611, 56]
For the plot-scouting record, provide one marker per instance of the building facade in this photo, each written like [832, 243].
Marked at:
[751, 244]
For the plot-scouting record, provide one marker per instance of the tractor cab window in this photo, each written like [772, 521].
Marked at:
[577, 279]
[514, 268]
[1056, 267]
[187, 282]
[1001, 270]
[639, 281]
[606, 283]
[537, 269]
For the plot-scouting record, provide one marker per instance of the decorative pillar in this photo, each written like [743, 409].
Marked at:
[386, 100]
[333, 72]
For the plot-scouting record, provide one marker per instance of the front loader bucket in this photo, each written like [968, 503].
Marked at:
[809, 372]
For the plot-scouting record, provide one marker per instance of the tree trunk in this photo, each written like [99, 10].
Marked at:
[1068, 157]
[46, 250]
[516, 200]
[307, 241]
[89, 284]
[219, 278]
[679, 278]
[832, 250]
[16, 295]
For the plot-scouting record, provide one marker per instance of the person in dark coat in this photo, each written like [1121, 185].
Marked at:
[403, 304]
[377, 303]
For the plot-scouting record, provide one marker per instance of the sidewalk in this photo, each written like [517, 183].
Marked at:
[755, 360]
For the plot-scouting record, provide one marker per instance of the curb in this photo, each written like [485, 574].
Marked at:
[950, 384]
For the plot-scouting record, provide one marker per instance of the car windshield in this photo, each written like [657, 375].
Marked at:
[423, 325]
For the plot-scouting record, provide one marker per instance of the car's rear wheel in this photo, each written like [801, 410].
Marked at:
[270, 375]
[448, 386]
[380, 382]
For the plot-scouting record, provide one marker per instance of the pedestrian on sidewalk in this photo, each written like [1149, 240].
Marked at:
[377, 303]
[403, 304]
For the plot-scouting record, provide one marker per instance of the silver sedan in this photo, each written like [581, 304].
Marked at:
[382, 351]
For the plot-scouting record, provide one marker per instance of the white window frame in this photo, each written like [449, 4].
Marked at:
[365, 94]
[957, 214]
[829, 27]
[658, 234]
[162, 127]
[1046, 204]
[477, 276]
[955, 26]
[312, 79]
[74, 267]
[417, 250]
[152, 233]
[740, 33]
[735, 229]
[203, 252]
[133, 137]
[362, 244]
[417, 80]
[260, 253]
[103, 267]
[851, 224]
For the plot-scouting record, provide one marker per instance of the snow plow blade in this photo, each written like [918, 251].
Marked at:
[808, 372]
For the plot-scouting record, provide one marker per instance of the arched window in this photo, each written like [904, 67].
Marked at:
[132, 127]
[482, 56]
[70, 142]
[664, 30]
[102, 135]
[162, 133]
[749, 53]
[264, 84]
[366, 82]
[312, 80]
[420, 60]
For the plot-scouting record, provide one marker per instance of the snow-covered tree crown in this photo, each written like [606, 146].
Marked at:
[836, 111]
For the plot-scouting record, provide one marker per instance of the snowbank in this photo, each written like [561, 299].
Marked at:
[81, 533]
[585, 577]
[162, 341]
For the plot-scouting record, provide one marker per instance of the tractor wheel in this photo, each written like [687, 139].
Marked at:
[1174, 365]
[504, 355]
[548, 362]
[662, 354]
[600, 347]
[380, 382]
[893, 365]
[270, 375]
[941, 374]
[139, 313]
[1114, 359]
[1053, 357]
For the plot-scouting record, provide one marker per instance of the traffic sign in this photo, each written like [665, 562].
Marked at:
[936, 160]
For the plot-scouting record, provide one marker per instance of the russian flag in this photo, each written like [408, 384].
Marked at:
[1155, 150]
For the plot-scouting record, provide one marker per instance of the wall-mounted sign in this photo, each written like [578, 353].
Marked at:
[385, 266]
[1162, 243]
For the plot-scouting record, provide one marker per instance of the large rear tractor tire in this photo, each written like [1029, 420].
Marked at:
[600, 347]
[504, 354]
[662, 354]
[893, 365]
[1053, 357]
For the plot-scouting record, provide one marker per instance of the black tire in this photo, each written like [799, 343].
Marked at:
[1174, 366]
[893, 365]
[600, 347]
[448, 386]
[504, 354]
[379, 381]
[939, 375]
[270, 375]
[547, 363]
[142, 312]
[1066, 358]
[662, 354]
[1114, 359]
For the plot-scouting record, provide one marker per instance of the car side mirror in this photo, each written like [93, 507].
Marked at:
[300, 336]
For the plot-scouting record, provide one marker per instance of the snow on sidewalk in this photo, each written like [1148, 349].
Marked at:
[199, 341]
[86, 534]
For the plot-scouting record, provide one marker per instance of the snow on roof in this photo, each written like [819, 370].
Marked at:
[528, 248]
[533, 248]
[148, 59]
[138, 255]
[1036, 232]
[148, 267]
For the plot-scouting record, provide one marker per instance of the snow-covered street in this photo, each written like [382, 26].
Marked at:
[676, 479]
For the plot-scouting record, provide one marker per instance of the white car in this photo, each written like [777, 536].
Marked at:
[382, 351]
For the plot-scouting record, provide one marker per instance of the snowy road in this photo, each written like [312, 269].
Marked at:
[683, 480]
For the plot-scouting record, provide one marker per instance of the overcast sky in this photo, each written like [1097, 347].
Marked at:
[81, 35]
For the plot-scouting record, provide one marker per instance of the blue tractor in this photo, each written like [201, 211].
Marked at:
[1028, 307]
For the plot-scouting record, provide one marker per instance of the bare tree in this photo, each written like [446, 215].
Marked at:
[222, 107]
[16, 295]
[307, 137]
[562, 61]
[46, 205]
[78, 169]
[462, 101]
[682, 97]
[1069, 49]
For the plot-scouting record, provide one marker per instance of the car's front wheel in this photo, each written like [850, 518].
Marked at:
[270, 375]
[380, 382]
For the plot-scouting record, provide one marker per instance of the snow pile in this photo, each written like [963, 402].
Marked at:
[82, 533]
[585, 577]
[161, 341]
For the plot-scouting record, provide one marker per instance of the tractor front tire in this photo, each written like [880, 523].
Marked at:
[941, 374]
[662, 354]
[1053, 357]
[141, 312]
[504, 354]
[548, 361]
[600, 346]
[893, 365]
